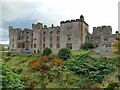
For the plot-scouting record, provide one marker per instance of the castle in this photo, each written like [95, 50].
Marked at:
[70, 34]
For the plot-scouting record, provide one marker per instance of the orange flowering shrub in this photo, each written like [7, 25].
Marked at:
[57, 61]
[37, 64]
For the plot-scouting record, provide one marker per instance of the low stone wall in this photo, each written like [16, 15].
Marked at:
[104, 51]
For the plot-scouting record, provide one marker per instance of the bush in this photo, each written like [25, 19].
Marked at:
[64, 53]
[38, 63]
[46, 51]
[9, 78]
[8, 54]
[112, 85]
[88, 45]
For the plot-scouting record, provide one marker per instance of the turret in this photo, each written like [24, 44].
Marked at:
[82, 18]
[10, 27]
[37, 26]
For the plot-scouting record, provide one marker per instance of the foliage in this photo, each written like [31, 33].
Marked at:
[116, 48]
[64, 53]
[92, 69]
[38, 63]
[57, 61]
[2, 48]
[47, 51]
[8, 54]
[112, 85]
[39, 55]
[10, 79]
[88, 45]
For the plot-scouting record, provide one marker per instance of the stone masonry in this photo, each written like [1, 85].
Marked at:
[70, 34]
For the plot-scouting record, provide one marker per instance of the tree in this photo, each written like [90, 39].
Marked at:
[88, 45]
[46, 51]
[64, 53]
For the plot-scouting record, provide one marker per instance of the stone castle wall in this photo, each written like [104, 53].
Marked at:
[102, 36]
[71, 34]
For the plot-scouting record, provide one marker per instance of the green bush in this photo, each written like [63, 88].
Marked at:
[88, 45]
[64, 53]
[9, 78]
[8, 54]
[112, 85]
[46, 51]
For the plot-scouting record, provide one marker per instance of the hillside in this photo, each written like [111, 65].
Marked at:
[79, 71]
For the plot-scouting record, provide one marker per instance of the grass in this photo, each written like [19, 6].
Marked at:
[78, 52]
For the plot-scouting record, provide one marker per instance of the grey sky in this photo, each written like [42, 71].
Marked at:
[22, 13]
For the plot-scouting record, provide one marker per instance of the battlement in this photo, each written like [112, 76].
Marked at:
[102, 27]
[73, 20]
[70, 21]
[37, 26]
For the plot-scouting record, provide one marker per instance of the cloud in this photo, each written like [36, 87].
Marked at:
[20, 13]
[16, 10]
[4, 34]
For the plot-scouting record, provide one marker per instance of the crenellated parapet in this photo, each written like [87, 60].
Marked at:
[74, 20]
[37, 26]
[70, 21]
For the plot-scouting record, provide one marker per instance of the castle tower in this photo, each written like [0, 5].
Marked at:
[37, 37]
[83, 30]
[73, 33]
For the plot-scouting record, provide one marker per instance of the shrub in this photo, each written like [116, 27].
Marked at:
[88, 45]
[112, 85]
[9, 78]
[37, 63]
[64, 53]
[57, 61]
[46, 51]
[8, 54]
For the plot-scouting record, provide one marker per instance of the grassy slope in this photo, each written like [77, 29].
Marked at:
[21, 62]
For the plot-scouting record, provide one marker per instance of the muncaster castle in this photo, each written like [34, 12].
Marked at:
[70, 34]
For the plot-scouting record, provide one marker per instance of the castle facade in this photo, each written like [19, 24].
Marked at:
[70, 34]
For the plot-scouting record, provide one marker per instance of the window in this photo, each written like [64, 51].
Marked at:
[13, 39]
[43, 45]
[58, 32]
[34, 51]
[43, 39]
[58, 38]
[27, 37]
[105, 39]
[51, 32]
[27, 32]
[34, 38]
[22, 37]
[38, 51]
[43, 33]
[68, 37]
[69, 45]
[13, 45]
[18, 38]
[31, 45]
[18, 46]
[50, 38]
[34, 45]
[51, 45]
[23, 46]
[58, 46]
